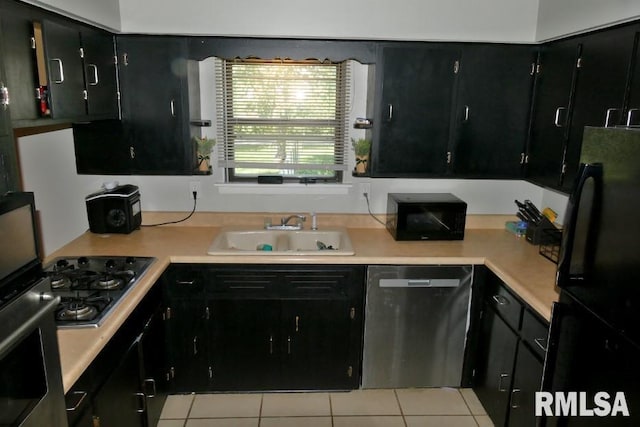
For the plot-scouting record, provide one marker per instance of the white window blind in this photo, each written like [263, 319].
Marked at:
[285, 118]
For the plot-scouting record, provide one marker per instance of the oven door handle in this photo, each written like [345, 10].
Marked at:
[20, 331]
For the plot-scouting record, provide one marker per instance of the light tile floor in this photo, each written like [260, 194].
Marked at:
[427, 407]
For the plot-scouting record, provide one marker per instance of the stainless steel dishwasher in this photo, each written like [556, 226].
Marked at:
[416, 323]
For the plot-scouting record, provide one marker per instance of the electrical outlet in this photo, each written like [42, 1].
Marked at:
[365, 187]
[195, 186]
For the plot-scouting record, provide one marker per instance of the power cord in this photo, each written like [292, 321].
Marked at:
[195, 202]
[366, 196]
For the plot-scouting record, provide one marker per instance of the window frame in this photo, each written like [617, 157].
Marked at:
[342, 106]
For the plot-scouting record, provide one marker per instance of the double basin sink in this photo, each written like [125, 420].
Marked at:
[245, 241]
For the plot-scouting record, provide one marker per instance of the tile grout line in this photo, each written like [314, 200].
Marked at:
[468, 407]
[331, 409]
[395, 393]
[260, 411]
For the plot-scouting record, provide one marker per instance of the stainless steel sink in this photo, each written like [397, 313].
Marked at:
[246, 241]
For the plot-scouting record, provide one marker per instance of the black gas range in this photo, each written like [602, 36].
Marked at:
[90, 287]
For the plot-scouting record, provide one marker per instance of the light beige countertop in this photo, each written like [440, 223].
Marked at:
[512, 259]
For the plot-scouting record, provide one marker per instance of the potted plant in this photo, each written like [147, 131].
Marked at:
[204, 146]
[362, 148]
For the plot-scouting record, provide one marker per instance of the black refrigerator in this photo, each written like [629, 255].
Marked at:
[594, 339]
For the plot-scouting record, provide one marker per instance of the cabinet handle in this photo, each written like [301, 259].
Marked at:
[556, 121]
[448, 157]
[514, 393]
[466, 114]
[4, 96]
[60, 69]
[143, 407]
[502, 377]
[270, 344]
[132, 152]
[82, 395]
[500, 300]
[540, 343]
[297, 323]
[95, 74]
[151, 382]
[288, 345]
[173, 108]
[195, 346]
[607, 118]
[630, 115]
[390, 113]
[185, 282]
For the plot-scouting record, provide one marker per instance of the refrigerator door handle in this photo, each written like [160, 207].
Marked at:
[587, 171]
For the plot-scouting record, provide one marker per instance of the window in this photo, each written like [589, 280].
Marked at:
[285, 118]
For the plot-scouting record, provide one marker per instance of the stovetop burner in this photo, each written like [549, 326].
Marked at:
[91, 287]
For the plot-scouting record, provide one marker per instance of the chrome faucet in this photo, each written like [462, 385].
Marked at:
[284, 223]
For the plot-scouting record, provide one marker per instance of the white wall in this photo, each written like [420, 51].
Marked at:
[563, 17]
[48, 167]
[457, 20]
[104, 13]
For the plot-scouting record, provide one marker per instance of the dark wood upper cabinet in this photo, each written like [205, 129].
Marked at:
[555, 78]
[492, 110]
[631, 113]
[155, 106]
[99, 60]
[413, 111]
[65, 77]
[602, 78]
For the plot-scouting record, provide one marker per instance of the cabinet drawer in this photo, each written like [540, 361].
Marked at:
[184, 281]
[535, 333]
[242, 282]
[316, 283]
[503, 302]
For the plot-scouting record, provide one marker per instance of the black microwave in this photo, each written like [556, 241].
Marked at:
[426, 216]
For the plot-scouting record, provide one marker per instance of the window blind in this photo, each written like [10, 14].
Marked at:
[282, 117]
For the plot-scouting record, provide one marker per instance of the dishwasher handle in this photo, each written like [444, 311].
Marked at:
[419, 283]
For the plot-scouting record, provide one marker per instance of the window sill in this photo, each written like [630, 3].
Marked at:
[301, 189]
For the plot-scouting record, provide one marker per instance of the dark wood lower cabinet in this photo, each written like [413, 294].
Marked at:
[125, 386]
[512, 344]
[527, 379]
[119, 402]
[494, 367]
[249, 328]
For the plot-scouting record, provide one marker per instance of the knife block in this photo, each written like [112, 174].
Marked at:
[536, 233]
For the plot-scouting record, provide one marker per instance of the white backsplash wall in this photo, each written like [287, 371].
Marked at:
[48, 168]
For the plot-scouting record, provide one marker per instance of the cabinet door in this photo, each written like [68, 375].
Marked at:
[631, 114]
[187, 343]
[527, 380]
[119, 401]
[600, 89]
[18, 55]
[495, 359]
[64, 70]
[414, 111]
[154, 101]
[154, 366]
[100, 73]
[5, 99]
[492, 110]
[549, 130]
[9, 180]
[316, 338]
[101, 148]
[246, 344]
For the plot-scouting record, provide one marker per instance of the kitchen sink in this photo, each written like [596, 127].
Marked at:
[244, 241]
